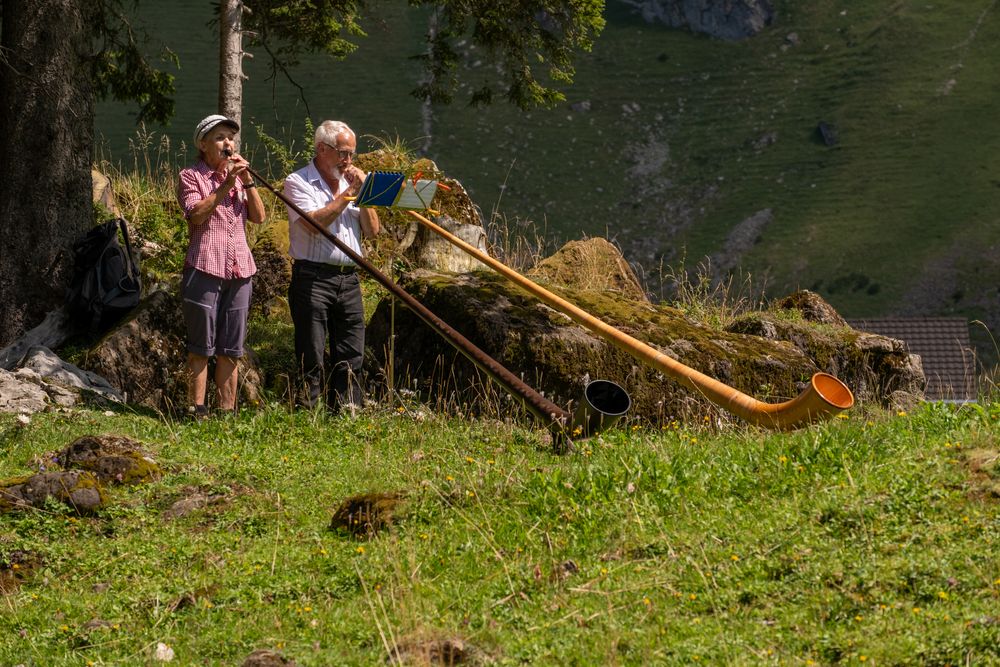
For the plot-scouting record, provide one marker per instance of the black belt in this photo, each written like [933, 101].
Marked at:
[321, 267]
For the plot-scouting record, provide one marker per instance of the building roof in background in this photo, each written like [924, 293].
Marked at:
[944, 347]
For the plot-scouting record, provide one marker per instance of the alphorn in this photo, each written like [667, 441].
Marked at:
[825, 396]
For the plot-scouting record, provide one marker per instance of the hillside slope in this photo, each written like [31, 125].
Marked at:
[677, 139]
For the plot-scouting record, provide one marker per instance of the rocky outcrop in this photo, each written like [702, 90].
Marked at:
[45, 380]
[724, 19]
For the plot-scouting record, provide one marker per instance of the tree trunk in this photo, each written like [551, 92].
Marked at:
[46, 139]
[231, 60]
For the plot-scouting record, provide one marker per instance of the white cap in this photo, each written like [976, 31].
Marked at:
[207, 123]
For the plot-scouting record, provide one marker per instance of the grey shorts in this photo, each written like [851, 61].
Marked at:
[215, 312]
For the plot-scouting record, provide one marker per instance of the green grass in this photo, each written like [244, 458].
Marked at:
[870, 538]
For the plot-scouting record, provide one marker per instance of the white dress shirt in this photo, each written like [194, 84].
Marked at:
[307, 189]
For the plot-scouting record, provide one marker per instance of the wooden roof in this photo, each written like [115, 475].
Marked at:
[944, 347]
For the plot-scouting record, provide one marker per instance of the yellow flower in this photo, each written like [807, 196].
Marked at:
[449, 478]
[901, 413]
[916, 610]
[943, 595]
[692, 597]
[783, 459]
[646, 601]
[469, 459]
[862, 658]
[734, 558]
[859, 617]
[423, 536]
[360, 550]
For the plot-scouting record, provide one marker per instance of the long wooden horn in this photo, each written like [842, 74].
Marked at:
[824, 397]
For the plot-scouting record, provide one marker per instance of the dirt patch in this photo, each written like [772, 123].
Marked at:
[266, 658]
[437, 651]
[17, 569]
[194, 499]
[984, 472]
[366, 514]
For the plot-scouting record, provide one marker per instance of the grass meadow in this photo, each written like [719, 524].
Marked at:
[874, 538]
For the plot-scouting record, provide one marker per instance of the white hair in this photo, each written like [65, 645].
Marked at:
[329, 130]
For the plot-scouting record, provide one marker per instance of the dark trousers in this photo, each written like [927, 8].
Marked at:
[326, 301]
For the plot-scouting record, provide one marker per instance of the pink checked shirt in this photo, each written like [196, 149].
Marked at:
[219, 245]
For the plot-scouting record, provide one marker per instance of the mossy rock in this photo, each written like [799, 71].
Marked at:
[79, 489]
[114, 459]
[558, 357]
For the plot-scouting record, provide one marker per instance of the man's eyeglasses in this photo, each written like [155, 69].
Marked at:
[343, 155]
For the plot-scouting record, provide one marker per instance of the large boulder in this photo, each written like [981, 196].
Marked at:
[558, 357]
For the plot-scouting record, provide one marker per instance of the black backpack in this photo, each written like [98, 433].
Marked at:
[105, 282]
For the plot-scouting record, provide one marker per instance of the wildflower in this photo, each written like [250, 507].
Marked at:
[604, 570]
[859, 617]
[64, 628]
[308, 609]
[469, 459]
[901, 413]
[694, 441]
[997, 582]
[360, 550]
[647, 602]
[423, 536]
[692, 597]
[490, 461]
[916, 610]
[943, 595]
[842, 415]
[472, 494]
[236, 456]
[577, 431]
[783, 459]
[734, 558]
[449, 478]
[15, 566]
[862, 658]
